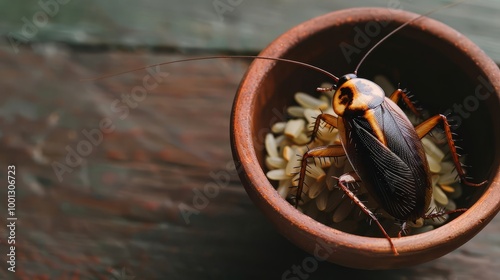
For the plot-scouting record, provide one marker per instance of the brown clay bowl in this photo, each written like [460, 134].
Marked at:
[446, 72]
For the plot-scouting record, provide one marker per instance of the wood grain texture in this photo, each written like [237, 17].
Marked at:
[118, 213]
[235, 25]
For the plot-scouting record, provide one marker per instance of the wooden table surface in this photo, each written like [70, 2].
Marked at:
[105, 173]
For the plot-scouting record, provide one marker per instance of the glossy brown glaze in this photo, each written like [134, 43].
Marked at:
[440, 66]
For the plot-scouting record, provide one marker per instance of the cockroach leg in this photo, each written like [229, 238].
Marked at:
[402, 94]
[432, 215]
[425, 127]
[328, 119]
[352, 177]
[404, 229]
[318, 152]
[442, 213]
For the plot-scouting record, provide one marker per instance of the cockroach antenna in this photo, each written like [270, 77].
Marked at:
[335, 78]
[401, 27]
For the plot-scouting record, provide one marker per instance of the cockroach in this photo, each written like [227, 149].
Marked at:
[384, 149]
[379, 141]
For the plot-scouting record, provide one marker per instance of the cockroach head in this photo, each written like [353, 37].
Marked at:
[344, 79]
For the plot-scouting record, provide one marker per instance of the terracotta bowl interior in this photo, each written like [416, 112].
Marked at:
[421, 58]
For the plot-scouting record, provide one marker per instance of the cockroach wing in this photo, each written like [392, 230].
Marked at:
[391, 172]
[405, 143]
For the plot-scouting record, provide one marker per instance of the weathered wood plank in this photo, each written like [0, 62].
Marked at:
[241, 26]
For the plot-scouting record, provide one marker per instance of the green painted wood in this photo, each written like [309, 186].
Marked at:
[234, 25]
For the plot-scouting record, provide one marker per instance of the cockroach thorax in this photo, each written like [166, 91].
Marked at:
[355, 94]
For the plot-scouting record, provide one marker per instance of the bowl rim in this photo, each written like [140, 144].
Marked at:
[444, 239]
